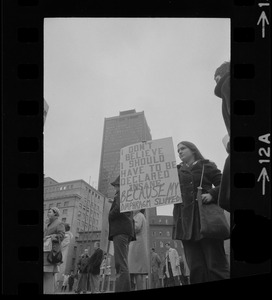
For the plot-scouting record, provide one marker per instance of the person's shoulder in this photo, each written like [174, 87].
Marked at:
[220, 83]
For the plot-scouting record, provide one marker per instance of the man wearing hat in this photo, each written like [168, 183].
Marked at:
[121, 232]
[222, 90]
[55, 231]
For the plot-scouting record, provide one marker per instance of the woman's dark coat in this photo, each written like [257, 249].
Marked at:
[57, 229]
[120, 223]
[186, 214]
[222, 90]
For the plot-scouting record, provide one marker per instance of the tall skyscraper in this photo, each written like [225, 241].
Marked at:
[120, 131]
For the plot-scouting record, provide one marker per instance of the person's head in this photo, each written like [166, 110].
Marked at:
[96, 245]
[152, 249]
[116, 183]
[188, 152]
[67, 227]
[167, 246]
[86, 251]
[221, 71]
[53, 213]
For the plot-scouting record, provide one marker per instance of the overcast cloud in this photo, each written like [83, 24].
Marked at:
[96, 67]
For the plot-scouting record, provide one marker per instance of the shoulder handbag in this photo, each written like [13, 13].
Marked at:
[213, 222]
[54, 257]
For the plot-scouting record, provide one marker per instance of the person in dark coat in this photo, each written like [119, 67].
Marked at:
[94, 267]
[222, 90]
[83, 273]
[54, 231]
[121, 232]
[71, 281]
[206, 258]
[155, 268]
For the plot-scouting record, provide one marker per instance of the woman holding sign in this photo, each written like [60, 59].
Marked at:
[206, 257]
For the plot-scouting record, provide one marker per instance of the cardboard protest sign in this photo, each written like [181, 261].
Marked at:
[148, 175]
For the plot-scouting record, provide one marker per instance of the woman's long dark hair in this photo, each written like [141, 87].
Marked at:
[194, 149]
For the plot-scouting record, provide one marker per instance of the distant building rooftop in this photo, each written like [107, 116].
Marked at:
[127, 112]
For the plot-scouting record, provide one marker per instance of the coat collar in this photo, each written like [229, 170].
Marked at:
[196, 163]
[54, 223]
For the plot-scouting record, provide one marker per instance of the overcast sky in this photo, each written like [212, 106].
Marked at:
[96, 67]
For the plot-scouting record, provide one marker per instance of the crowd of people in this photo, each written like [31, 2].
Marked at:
[204, 259]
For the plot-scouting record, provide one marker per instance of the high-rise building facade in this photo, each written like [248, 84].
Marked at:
[120, 131]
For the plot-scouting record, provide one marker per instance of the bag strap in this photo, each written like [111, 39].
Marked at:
[201, 176]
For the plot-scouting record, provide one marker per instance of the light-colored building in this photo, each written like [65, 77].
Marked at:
[120, 131]
[160, 232]
[81, 206]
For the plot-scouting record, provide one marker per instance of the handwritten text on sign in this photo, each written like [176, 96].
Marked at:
[148, 175]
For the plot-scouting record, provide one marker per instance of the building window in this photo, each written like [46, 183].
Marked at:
[63, 220]
[58, 204]
[65, 211]
[66, 203]
[160, 233]
[161, 244]
[154, 233]
[168, 233]
[159, 220]
[166, 221]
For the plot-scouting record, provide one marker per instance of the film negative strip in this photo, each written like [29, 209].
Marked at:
[23, 121]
